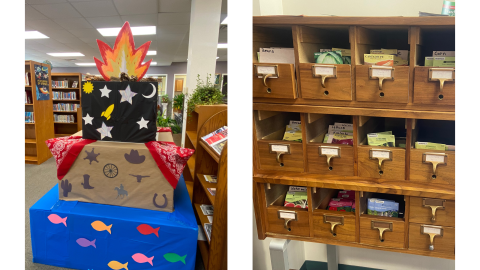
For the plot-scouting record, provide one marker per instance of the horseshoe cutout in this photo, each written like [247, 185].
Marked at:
[160, 206]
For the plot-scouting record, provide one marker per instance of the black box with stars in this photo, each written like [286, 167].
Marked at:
[119, 111]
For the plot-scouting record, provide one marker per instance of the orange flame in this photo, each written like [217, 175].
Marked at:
[123, 57]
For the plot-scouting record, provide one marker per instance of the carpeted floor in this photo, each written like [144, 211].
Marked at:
[38, 180]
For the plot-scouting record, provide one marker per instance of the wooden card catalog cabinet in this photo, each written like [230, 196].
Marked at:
[330, 159]
[274, 81]
[388, 232]
[281, 156]
[328, 82]
[434, 86]
[382, 84]
[334, 226]
[432, 211]
[381, 162]
[432, 166]
[292, 222]
[436, 239]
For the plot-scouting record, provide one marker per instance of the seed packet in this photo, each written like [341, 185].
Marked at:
[339, 204]
[297, 199]
[378, 139]
[430, 146]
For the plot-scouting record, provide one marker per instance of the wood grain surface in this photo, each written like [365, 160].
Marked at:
[339, 88]
[291, 162]
[300, 227]
[345, 232]
[394, 238]
[421, 214]
[444, 244]
[281, 87]
[394, 169]
[395, 91]
[342, 165]
[422, 172]
[427, 92]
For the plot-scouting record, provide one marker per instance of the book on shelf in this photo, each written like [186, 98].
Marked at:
[60, 84]
[211, 178]
[28, 97]
[212, 191]
[66, 107]
[63, 118]
[74, 84]
[208, 230]
[210, 219]
[217, 139]
[57, 95]
[27, 78]
[29, 117]
[207, 210]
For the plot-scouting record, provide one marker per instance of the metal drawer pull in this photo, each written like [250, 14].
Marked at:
[382, 227]
[435, 159]
[381, 73]
[265, 82]
[287, 216]
[434, 204]
[330, 152]
[279, 155]
[279, 150]
[382, 155]
[432, 231]
[324, 72]
[334, 221]
[266, 71]
[442, 75]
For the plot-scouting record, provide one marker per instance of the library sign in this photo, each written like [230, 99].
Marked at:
[41, 82]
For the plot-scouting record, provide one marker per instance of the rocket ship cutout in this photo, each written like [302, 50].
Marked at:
[108, 112]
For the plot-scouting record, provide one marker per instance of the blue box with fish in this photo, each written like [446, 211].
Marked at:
[96, 236]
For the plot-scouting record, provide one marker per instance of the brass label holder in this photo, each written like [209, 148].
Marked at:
[334, 221]
[382, 227]
[434, 204]
[381, 73]
[329, 152]
[435, 159]
[279, 149]
[324, 72]
[287, 216]
[381, 155]
[432, 231]
[266, 71]
[442, 75]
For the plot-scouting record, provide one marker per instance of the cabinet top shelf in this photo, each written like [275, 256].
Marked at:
[339, 20]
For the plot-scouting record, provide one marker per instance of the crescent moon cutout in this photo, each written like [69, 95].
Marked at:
[153, 93]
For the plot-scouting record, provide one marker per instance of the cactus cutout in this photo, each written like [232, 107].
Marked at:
[67, 187]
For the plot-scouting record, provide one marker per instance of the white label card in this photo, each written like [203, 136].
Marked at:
[294, 188]
[279, 148]
[266, 70]
[381, 73]
[329, 151]
[380, 154]
[442, 74]
[324, 70]
[435, 158]
[432, 230]
[287, 215]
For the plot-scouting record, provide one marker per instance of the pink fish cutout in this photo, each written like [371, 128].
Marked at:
[55, 219]
[140, 258]
[86, 243]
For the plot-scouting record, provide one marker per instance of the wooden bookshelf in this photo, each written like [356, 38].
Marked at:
[214, 252]
[67, 129]
[36, 151]
[194, 123]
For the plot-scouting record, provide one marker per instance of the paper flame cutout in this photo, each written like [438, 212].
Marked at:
[123, 57]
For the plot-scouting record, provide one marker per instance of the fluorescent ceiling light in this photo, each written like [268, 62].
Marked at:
[151, 63]
[85, 64]
[136, 31]
[66, 54]
[225, 21]
[34, 35]
[218, 57]
[222, 45]
[152, 53]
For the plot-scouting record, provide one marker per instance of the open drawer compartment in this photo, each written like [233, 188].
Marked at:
[282, 219]
[333, 224]
[273, 80]
[434, 84]
[329, 158]
[275, 153]
[383, 162]
[328, 76]
[433, 166]
[379, 227]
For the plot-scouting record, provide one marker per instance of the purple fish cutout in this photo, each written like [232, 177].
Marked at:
[85, 242]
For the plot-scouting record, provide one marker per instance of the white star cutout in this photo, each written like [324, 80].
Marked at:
[143, 123]
[88, 119]
[105, 131]
[105, 92]
[127, 95]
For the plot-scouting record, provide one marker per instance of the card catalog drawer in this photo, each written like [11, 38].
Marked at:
[375, 164]
[285, 220]
[423, 162]
[274, 81]
[330, 159]
[281, 156]
[386, 232]
[428, 88]
[434, 239]
[329, 82]
[432, 211]
[334, 226]
[382, 84]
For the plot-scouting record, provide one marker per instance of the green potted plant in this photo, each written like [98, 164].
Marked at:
[164, 121]
[178, 102]
[204, 94]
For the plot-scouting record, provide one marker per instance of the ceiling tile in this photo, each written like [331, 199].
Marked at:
[56, 33]
[57, 11]
[43, 25]
[41, 2]
[68, 40]
[172, 29]
[173, 18]
[33, 14]
[105, 22]
[85, 33]
[141, 20]
[128, 7]
[96, 8]
[73, 23]
[169, 36]
[174, 6]
[28, 28]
